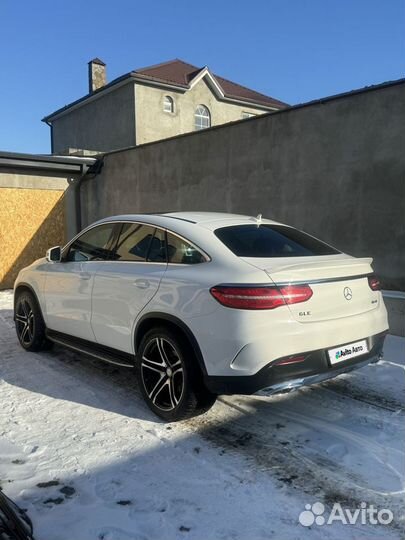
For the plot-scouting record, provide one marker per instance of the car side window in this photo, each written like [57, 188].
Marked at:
[133, 242]
[92, 245]
[180, 251]
[157, 248]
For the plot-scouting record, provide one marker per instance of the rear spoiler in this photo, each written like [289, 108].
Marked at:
[324, 265]
[309, 271]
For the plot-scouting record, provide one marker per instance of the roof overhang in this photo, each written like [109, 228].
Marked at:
[64, 164]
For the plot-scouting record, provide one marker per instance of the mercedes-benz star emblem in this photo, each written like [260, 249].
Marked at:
[347, 292]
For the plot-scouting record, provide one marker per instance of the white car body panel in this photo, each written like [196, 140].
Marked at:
[106, 306]
[34, 275]
[67, 295]
[120, 292]
[325, 277]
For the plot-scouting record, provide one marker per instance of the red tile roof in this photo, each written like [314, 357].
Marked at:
[173, 71]
[180, 73]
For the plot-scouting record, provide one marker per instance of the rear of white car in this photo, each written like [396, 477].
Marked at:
[286, 321]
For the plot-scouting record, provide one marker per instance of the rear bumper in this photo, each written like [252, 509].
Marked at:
[284, 378]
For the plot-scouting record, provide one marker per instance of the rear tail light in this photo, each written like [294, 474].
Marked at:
[374, 283]
[294, 294]
[260, 297]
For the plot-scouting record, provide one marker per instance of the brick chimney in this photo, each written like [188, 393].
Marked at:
[97, 74]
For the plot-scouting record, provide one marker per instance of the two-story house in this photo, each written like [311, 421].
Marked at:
[150, 104]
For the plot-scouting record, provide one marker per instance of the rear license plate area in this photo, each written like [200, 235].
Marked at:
[338, 355]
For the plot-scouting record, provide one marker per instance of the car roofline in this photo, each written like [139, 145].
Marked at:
[212, 218]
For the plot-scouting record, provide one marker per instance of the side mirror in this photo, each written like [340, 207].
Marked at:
[54, 254]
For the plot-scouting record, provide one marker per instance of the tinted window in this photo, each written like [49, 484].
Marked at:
[93, 245]
[157, 248]
[181, 252]
[133, 242]
[271, 241]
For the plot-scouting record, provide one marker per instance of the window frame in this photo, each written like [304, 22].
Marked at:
[197, 248]
[201, 116]
[168, 99]
[161, 229]
[114, 239]
[110, 243]
[118, 234]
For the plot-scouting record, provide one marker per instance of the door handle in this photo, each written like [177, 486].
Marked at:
[85, 275]
[141, 283]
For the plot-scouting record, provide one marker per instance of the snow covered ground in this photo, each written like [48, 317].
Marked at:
[82, 453]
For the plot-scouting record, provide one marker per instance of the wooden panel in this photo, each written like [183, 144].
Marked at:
[31, 221]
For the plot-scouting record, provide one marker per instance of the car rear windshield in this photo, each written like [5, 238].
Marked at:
[271, 241]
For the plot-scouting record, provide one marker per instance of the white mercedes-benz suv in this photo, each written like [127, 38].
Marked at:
[201, 304]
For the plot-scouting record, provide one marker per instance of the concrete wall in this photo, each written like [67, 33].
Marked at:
[395, 304]
[104, 123]
[153, 123]
[335, 169]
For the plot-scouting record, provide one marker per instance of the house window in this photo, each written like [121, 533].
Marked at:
[246, 114]
[202, 118]
[168, 104]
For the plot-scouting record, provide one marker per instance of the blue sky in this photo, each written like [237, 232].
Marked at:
[294, 50]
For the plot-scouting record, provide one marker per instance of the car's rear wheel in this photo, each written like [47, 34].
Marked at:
[169, 376]
[29, 323]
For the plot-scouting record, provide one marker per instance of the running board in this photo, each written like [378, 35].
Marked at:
[102, 352]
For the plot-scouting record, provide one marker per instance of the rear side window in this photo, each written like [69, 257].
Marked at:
[133, 242]
[157, 248]
[182, 252]
[271, 241]
[93, 245]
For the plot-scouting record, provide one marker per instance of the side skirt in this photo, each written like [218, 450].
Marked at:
[102, 352]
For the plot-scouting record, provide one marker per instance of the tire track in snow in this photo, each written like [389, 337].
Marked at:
[266, 443]
[348, 390]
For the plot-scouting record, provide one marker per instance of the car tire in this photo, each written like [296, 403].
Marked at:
[29, 323]
[169, 376]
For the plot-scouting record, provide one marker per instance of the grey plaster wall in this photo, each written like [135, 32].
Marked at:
[105, 123]
[153, 123]
[335, 169]
[395, 304]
